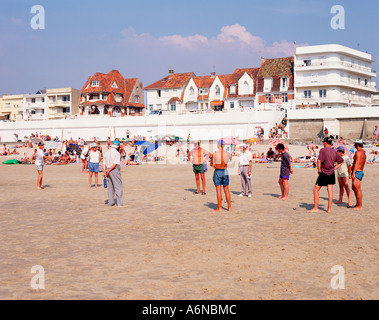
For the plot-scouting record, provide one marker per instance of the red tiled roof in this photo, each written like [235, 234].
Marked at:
[124, 87]
[177, 80]
[279, 67]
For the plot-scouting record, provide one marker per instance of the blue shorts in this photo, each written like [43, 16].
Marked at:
[93, 167]
[359, 175]
[221, 177]
[284, 177]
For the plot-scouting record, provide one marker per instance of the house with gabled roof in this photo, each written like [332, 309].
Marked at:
[196, 93]
[167, 94]
[275, 82]
[112, 95]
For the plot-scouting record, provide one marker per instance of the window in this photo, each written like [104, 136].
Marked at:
[322, 93]
[267, 84]
[232, 105]
[192, 91]
[314, 78]
[308, 62]
[53, 99]
[95, 83]
[173, 107]
[66, 110]
[366, 82]
[285, 97]
[66, 98]
[268, 98]
[150, 107]
[284, 82]
[7, 105]
[201, 92]
[33, 100]
[159, 93]
[105, 96]
[217, 90]
[307, 94]
[137, 99]
[114, 85]
[206, 91]
[43, 100]
[233, 89]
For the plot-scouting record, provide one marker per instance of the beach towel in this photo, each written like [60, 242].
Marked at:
[14, 161]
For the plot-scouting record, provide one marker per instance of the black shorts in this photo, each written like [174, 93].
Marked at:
[326, 180]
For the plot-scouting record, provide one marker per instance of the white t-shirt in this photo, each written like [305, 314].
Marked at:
[39, 158]
[112, 157]
[94, 156]
[245, 158]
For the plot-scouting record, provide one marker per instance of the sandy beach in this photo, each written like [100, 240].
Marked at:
[169, 244]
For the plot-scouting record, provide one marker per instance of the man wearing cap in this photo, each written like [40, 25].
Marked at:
[357, 173]
[326, 161]
[219, 161]
[112, 171]
[94, 159]
[199, 156]
[244, 170]
[40, 158]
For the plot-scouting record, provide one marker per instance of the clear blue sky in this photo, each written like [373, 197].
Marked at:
[144, 39]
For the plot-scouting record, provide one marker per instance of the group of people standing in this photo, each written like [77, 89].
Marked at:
[329, 161]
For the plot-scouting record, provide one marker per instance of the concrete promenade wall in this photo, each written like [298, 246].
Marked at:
[349, 123]
[210, 126]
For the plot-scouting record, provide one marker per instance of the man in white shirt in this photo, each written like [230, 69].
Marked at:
[40, 158]
[112, 171]
[244, 170]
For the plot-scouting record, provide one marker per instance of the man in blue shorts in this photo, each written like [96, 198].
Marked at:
[219, 161]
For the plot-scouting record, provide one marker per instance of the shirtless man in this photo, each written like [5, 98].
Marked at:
[219, 161]
[312, 148]
[197, 157]
[357, 173]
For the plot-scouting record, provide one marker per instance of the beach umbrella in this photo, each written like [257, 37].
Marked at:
[150, 148]
[36, 140]
[275, 142]
[229, 140]
[53, 145]
[252, 140]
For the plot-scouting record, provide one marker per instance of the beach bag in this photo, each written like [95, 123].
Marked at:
[205, 166]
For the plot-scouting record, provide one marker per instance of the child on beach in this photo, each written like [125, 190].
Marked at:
[285, 172]
[344, 175]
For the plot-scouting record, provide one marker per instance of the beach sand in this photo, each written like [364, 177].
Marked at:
[169, 244]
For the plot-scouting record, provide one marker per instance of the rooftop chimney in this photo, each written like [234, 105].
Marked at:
[263, 60]
[171, 72]
[213, 75]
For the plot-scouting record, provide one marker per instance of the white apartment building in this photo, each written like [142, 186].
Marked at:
[51, 104]
[333, 76]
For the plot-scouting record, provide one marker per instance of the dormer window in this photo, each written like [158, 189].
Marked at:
[137, 99]
[233, 89]
[192, 91]
[95, 83]
[267, 84]
[114, 85]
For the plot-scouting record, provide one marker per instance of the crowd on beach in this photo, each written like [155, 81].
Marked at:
[335, 156]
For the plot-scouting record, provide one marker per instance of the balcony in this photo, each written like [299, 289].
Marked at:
[370, 87]
[337, 65]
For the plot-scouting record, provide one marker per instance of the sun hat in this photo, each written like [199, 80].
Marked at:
[93, 145]
[115, 144]
[340, 148]
[358, 142]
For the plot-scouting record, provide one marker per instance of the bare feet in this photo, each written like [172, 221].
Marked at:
[357, 208]
[338, 202]
[313, 211]
[281, 197]
[284, 199]
[41, 188]
[217, 210]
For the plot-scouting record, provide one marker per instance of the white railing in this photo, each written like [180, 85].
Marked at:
[337, 63]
